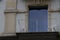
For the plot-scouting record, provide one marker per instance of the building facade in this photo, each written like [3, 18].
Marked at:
[16, 16]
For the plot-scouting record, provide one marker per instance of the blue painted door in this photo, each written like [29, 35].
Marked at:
[38, 21]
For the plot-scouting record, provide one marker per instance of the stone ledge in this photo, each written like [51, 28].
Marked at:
[10, 11]
[18, 11]
[51, 10]
[14, 11]
[8, 34]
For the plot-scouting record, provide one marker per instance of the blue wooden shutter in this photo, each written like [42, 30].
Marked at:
[38, 20]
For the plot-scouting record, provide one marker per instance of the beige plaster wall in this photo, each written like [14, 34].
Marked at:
[11, 4]
[10, 17]
[10, 23]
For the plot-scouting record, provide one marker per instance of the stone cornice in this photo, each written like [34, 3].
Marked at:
[53, 10]
[18, 11]
[14, 11]
[10, 11]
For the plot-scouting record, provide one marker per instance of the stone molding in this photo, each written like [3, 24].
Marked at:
[14, 11]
